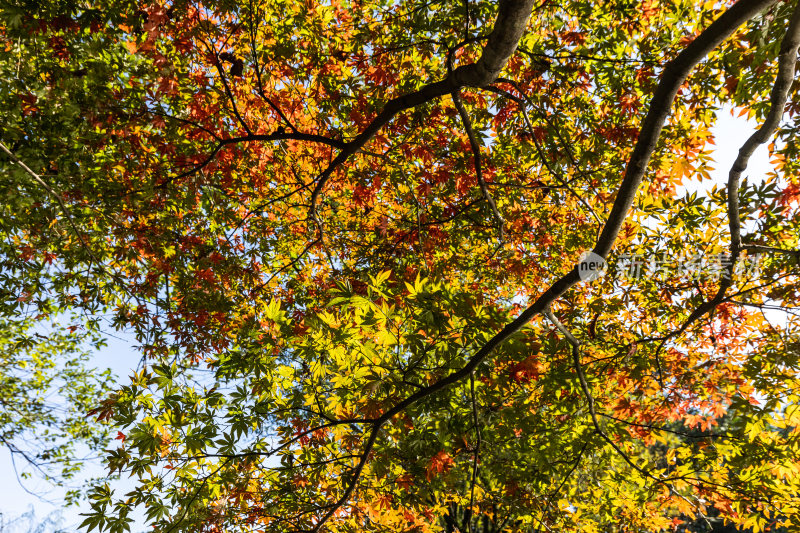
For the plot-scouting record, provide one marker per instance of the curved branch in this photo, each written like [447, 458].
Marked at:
[67, 213]
[674, 75]
[587, 392]
[351, 487]
[512, 18]
[563, 182]
[787, 60]
[218, 65]
[275, 136]
[283, 136]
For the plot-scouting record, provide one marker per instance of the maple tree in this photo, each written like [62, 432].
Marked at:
[348, 238]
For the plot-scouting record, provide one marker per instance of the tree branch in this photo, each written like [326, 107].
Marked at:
[587, 392]
[512, 18]
[57, 197]
[475, 455]
[476, 155]
[674, 75]
[760, 248]
[787, 60]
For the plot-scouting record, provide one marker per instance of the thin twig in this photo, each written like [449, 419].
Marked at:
[476, 155]
[475, 455]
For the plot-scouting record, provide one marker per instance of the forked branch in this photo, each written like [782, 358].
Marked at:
[512, 18]
[511, 21]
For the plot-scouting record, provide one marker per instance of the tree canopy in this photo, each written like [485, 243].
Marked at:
[357, 242]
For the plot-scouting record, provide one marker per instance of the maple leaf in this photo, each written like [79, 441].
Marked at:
[439, 464]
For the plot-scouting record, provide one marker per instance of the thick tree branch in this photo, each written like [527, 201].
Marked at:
[512, 18]
[787, 59]
[351, 486]
[674, 75]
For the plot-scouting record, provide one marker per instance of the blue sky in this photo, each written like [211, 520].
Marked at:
[15, 500]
